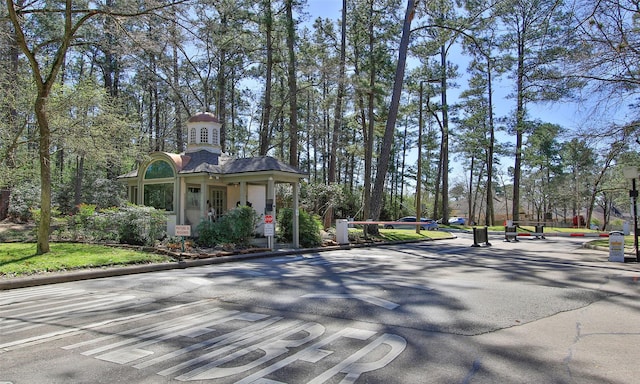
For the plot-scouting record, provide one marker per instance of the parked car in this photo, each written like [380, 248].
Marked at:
[457, 221]
[427, 224]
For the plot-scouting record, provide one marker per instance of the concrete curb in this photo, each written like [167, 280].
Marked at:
[64, 277]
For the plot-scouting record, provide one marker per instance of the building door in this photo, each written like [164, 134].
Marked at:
[218, 200]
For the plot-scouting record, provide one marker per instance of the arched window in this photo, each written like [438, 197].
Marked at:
[204, 135]
[158, 170]
[158, 191]
[192, 136]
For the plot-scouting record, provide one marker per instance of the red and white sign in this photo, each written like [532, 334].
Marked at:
[268, 219]
[183, 230]
[269, 229]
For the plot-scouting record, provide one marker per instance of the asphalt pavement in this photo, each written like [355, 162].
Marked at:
[535, 311]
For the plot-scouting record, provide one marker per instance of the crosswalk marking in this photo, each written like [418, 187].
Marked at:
[74, 330]
[161, 331]
[46, 315]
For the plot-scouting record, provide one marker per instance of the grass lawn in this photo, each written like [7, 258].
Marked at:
[604, 242]
[20, 258]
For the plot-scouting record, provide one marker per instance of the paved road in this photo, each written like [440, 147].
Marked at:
[535, 311]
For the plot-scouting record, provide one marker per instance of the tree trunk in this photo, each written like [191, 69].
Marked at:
[520, 115]
[77, 193]
[490, 216]
[445, 136]
[221, 85]
[156, 103]
[44, 143]
[265, 132]
[176, 90]
[385, 152]
[337, 113]
[436, 197]
[293, 87]
[9, 87]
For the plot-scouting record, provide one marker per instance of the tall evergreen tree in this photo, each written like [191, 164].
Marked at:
[383, 160]
[535, 41]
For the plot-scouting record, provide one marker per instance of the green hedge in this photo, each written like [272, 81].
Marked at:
[309, 227]
[130, 224]
[234, 227]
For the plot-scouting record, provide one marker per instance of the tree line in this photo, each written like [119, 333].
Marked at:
[89, 89]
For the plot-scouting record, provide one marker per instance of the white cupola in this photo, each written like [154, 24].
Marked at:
[204, 133]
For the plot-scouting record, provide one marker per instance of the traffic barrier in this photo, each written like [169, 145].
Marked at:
[510, 234]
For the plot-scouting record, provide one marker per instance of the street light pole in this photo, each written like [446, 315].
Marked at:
[419, 172]
[631, 172]
[634, 196]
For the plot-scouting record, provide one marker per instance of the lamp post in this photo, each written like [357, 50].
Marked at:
[631, 172]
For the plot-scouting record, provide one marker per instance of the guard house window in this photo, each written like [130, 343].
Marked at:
[193, 197]
[215, 140]
[204, 135]
[158, 186]
[192, 136]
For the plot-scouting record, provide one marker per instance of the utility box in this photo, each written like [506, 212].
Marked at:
[342, 231]
[480, 235]
[616, 247]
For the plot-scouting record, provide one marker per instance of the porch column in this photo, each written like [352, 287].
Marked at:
[270, 206]
[296, 215]
[271, 196]
[243, 193]
[181, 197]
[140, 193]
[203, 201]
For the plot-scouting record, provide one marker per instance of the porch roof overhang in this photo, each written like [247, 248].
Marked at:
[229, 170]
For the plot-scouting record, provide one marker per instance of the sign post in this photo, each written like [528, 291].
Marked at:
[183, 231]
[269, 230]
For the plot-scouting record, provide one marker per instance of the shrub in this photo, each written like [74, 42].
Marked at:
[234, 227]
[131, 224]
[140, 225]
[79, 225]
[308, 225]
[207, 233]
[24, 198]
